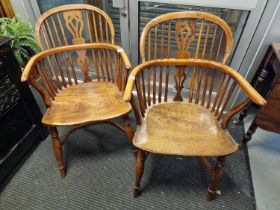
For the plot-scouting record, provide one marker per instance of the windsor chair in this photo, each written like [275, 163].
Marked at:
[196, 124]
[97, 98]
[77, 24]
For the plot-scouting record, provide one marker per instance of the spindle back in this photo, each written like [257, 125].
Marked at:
[189, 34]
[153, 84]
[55, 69]
[74, 24]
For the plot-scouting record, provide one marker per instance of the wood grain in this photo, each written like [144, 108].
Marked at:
[85, 103]
[181, 128]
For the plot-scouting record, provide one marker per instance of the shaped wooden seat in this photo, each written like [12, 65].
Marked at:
[194, 121]
[86, 102]
[181, 128]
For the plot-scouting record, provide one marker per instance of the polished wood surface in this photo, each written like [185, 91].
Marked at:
[86, 102]
[74, 24]
[193, 123]
[182, 128]
[204, 36]
[80, 88]
[267, 82]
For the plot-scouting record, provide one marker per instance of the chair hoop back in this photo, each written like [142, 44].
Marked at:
[195, 34]
[74, 24]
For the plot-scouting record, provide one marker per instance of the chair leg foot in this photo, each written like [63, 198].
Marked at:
[57, 148]
[210, 195]
[136, 192]
[139, 169]
[215, 179]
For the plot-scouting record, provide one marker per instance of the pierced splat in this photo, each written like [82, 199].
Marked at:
[185, 34]
[75, 25]
[83, 62]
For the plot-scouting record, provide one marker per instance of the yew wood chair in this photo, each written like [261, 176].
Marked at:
[74, 24]
[195, 34]
[194, 122]
[80, 88]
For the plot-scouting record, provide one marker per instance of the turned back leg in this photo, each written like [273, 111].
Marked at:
[129, 131]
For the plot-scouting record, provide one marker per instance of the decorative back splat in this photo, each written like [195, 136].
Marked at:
[185, 34]
[211, 32]
[75, 25]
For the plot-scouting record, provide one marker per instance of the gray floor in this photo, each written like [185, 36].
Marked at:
[100, 175]
[264, 153]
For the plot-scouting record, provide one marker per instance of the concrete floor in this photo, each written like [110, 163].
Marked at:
[264, 153]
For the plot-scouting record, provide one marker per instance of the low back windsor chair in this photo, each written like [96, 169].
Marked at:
[62, 71]
[97, 98]
[196, 124]
[186, 50]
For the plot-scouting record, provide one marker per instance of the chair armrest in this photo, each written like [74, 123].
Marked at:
[233, 111]
[249, 90]
[245, 86]
[131, 79]
[124, 57]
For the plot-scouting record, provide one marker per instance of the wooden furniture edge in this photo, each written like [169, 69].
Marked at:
[249, 90]
[34, 59]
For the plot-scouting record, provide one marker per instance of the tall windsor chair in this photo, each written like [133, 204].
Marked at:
[97, 98]
[195, 126]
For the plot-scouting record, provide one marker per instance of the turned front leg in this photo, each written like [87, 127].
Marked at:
[215, 179]
[57, 148]
[139, 169]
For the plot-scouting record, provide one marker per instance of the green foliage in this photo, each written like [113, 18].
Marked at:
[23, 39]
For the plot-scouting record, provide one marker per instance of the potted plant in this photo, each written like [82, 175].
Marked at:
[23, 42]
